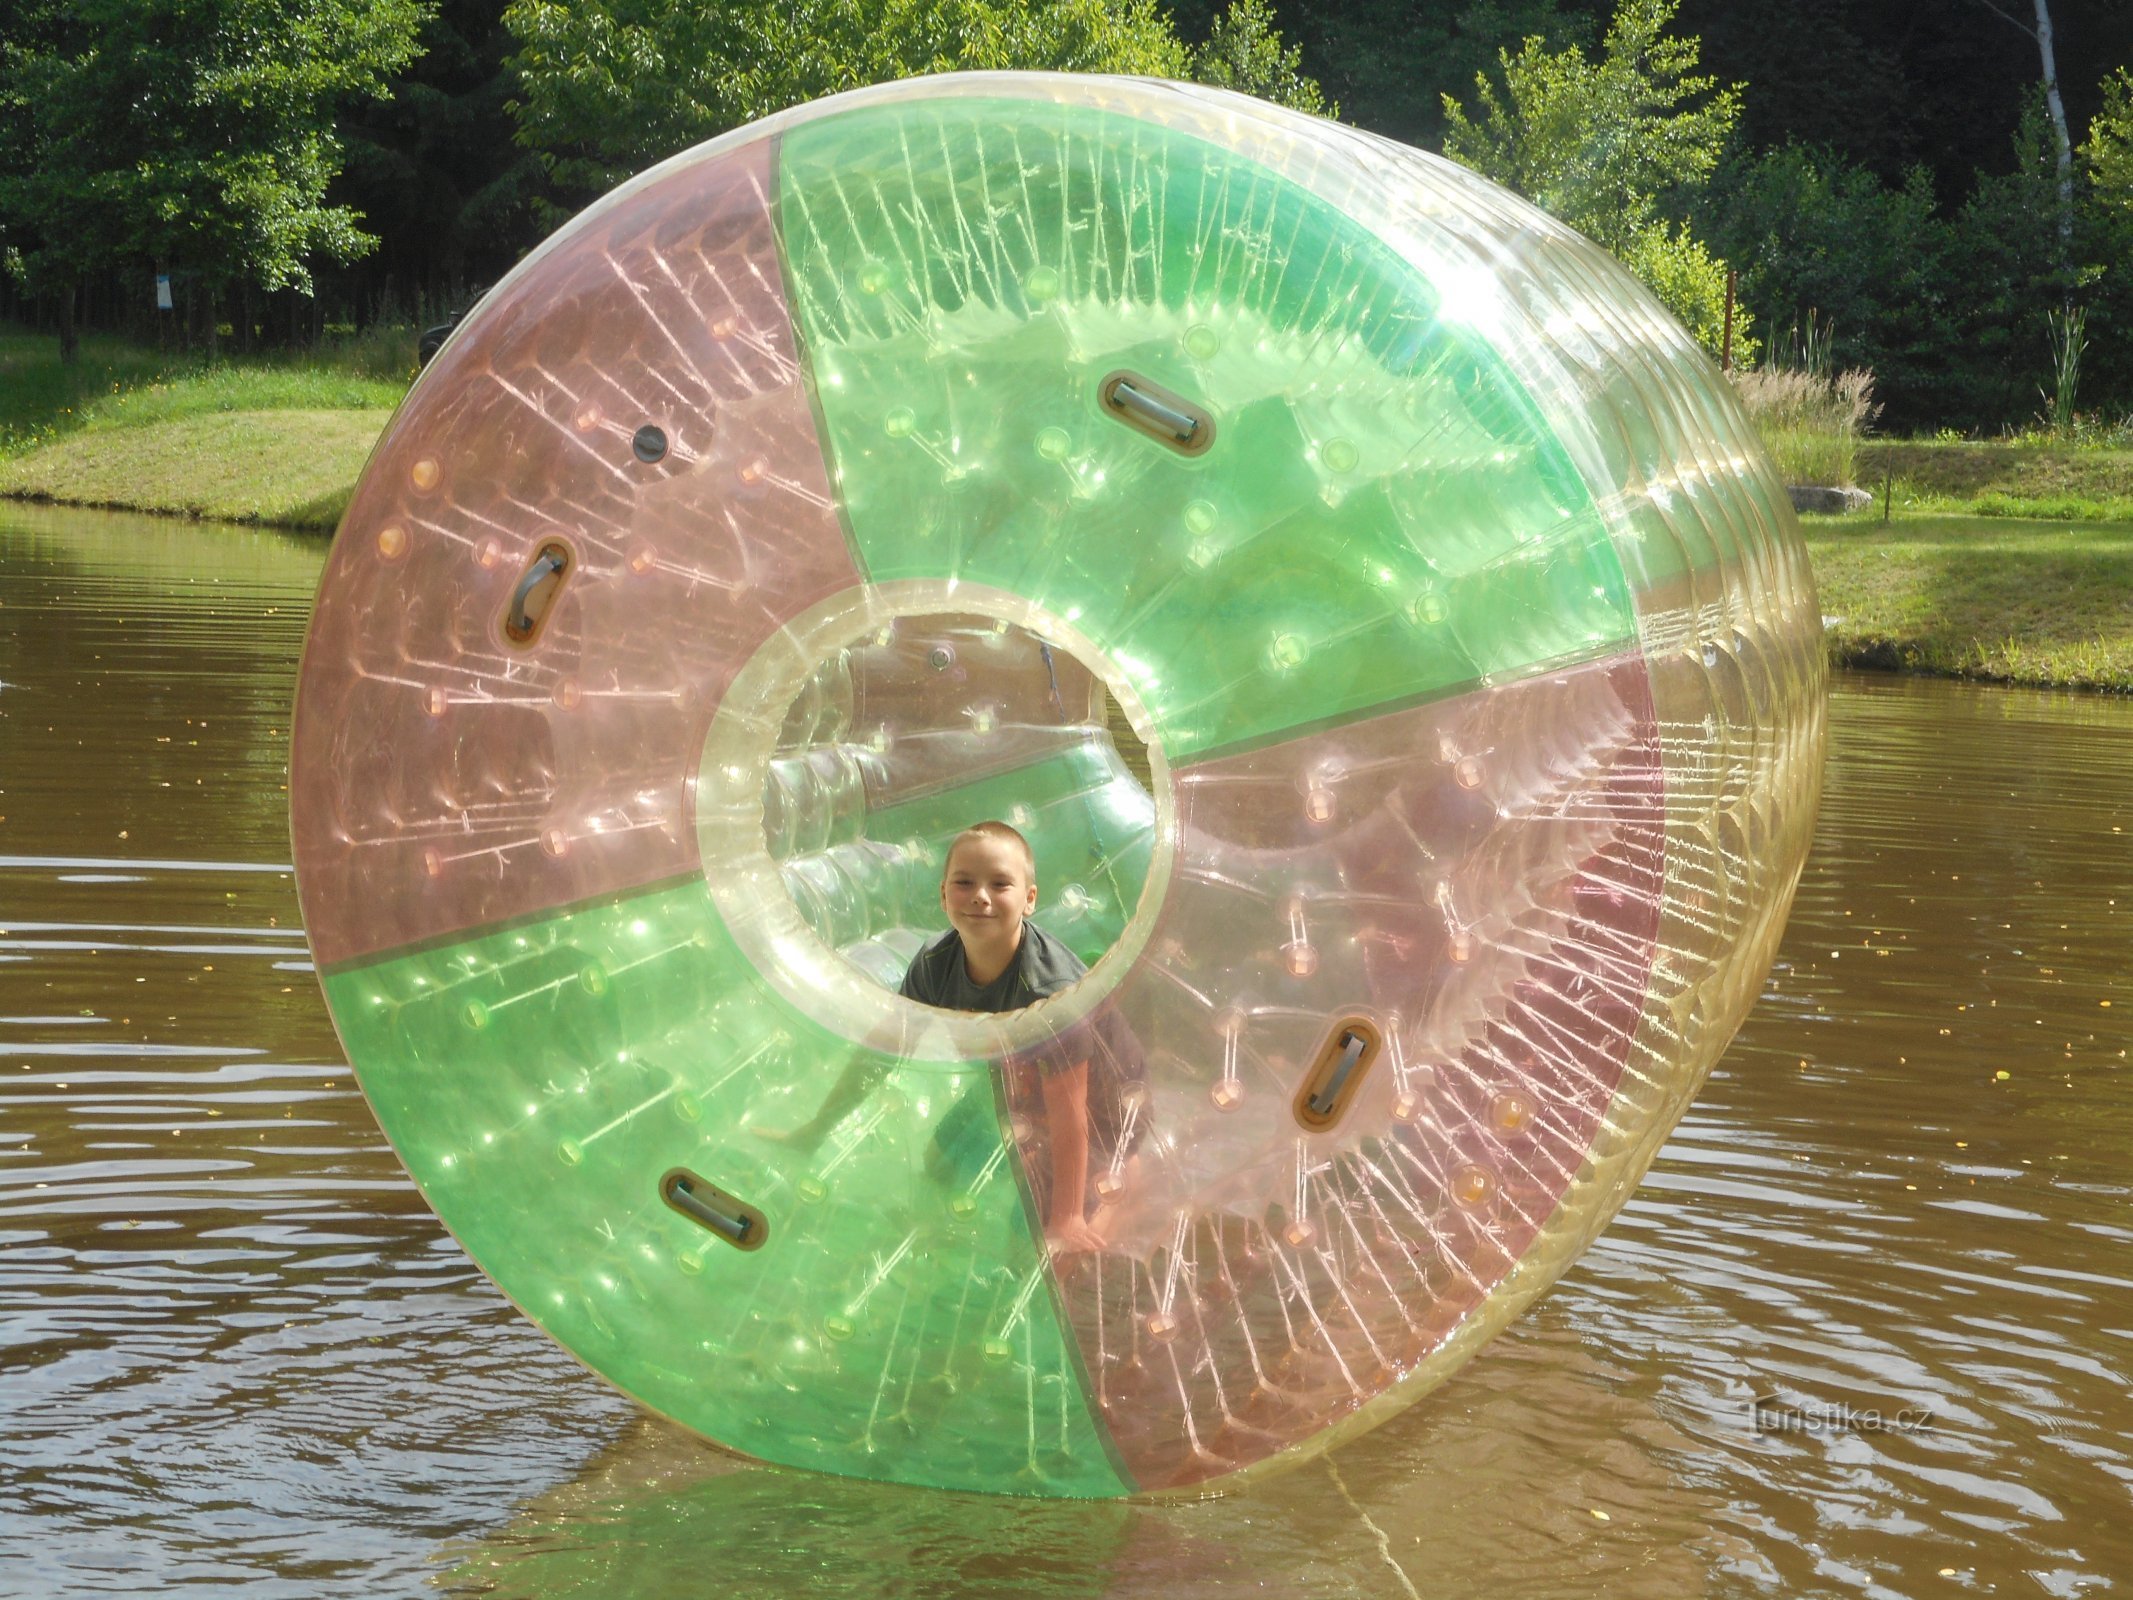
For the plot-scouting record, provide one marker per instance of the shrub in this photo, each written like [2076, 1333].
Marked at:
[1806, 228]
[384, 350]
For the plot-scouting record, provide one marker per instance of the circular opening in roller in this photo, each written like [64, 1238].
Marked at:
[896, 743]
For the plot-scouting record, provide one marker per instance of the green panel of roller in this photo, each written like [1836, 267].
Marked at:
[1195, 411]
[866, 1301]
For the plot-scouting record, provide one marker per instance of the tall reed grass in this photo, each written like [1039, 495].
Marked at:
[2070, 341]
[1811, 421]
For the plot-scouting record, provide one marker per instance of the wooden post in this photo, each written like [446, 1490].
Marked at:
[1725, 359]
[69, 332]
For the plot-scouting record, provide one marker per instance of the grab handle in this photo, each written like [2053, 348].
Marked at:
[709, 1206]
[1150, 408]
[534, 595]
[1337, 1072]
[1352, 1047]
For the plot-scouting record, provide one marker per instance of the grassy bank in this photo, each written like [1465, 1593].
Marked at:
[2000, 479]
[1994, 598]
[275, 441]
[2006, 562]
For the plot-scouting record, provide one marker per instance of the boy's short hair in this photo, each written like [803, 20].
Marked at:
[991, 828]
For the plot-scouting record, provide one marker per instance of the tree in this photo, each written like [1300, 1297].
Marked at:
[1691, 283]
[1818, 236]
[1598, 143]
[435, 171]
[1825, 76]
[2062, 144]
[196, 135]
[1389, 62]
[2013, 275]
[2107, 235]
[613, 85]
[1245, 52]
[2108, 150]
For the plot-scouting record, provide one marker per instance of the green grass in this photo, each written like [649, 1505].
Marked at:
[2000, 599]
[277, 439]
[2008, 479]
[291, 468]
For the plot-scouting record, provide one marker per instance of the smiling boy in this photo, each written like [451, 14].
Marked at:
[993, 958]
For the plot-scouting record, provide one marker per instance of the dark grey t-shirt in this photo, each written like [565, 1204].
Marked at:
[970, 1133]
[939, 977]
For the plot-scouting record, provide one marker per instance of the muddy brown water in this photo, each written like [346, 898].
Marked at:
[1867, 1328]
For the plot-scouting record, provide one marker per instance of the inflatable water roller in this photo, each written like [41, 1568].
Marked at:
[1375, 611]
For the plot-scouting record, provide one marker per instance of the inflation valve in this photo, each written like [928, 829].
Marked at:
[708, 1206]
[1150, 408]
[1337, 1073]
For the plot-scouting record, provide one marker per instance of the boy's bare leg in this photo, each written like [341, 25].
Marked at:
[1066, 1113]
[857, 1082]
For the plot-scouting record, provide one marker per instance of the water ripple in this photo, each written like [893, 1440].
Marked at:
[1862, 1331]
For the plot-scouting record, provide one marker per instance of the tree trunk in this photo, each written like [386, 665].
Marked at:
[2066, 150]
[69, 335]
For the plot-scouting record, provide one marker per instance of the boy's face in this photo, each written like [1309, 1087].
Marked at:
[987, 890]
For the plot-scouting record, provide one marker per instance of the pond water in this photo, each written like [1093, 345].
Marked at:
[1867, 1328]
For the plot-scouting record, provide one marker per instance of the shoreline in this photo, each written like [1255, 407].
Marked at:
[292, 469]
[2023, 657]
[2004, 564]
[1886, 658]
[173, 513]
[275, 440]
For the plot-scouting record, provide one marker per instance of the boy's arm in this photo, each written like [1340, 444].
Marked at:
[1066, 1112]
[862, 1075]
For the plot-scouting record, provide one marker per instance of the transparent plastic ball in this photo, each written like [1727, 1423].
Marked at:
[1376, 614]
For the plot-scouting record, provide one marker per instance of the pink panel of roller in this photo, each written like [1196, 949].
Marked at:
[451, 777]
[1479, 880]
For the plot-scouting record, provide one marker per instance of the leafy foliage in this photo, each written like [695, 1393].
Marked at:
[434, 170]
[1820, 241]
[612, 85]
[2106, 235]
[1245, 52]
[1867, 170]
[1389, 63]
[2108, 151]
[1599, 142]
[1826, 74]
[196, 134]
[2006, 277]
[1691, 283]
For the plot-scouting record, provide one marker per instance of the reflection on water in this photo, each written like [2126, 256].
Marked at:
[237, 1351]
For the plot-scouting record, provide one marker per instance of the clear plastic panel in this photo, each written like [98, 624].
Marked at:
[1381, 515]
